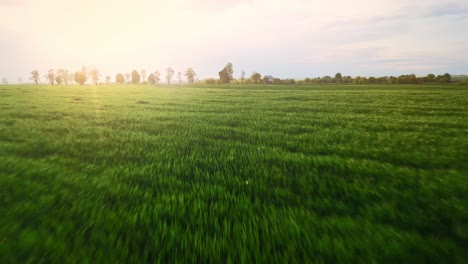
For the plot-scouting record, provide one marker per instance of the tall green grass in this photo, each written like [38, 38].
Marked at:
[233, 173]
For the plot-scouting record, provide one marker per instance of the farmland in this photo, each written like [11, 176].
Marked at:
[321, 173]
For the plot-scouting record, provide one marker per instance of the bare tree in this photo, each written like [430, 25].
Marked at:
[157, 77]
[51, 76]
[143, 75]
[35, 77]
[170, 73]
[179, 76]
[94, 74]
[128, 77]
[190, 73]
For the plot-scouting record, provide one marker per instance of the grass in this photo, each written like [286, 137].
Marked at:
[273, 174]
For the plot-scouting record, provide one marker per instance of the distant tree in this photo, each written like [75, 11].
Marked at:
[4, 81]
[127, 77]
[256, 77]
[242, 77]
[170, 73]
[135, 77]
[152, 79]
[51, 76]
[108, 79]
[226, 74]
[210, 81]
[157, 76]
[143, 75]
[267, 79]
[70, 77]
[80, 77]
[94, 74]
[59, 79]
[35, 77]
[119, 78]
[179, 77]
[64, 75]
[338, 77]
[20, 79]
[190, 73]
[430, 78]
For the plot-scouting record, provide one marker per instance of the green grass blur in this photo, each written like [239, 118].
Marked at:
[256, 174]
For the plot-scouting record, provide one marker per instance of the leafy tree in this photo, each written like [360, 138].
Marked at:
[190, 73]
[80, 77]
[108, 79]
[242, 77]
[152, 79]
[64, 75]
[119, 78]
[256, 77]
[143, 75]
[267, 79]
[430, 78]
[94, 74]
[51, 76]
[35, 77]
[20, 79]
[4, 81]
[338, 77]
[135, 77]
[170, 73]
[225, 75]
[59, 79]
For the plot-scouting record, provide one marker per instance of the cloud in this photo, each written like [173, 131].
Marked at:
[447, 9]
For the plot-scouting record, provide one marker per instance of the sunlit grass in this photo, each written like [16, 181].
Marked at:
[242, 173]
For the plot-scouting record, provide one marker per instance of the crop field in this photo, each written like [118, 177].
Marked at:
[238, 174]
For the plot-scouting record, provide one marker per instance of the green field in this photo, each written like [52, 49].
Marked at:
[256, 174]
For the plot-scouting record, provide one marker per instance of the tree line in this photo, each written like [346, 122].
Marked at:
[62, 76]
[226, 76]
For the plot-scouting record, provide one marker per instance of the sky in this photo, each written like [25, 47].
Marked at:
[283, 38]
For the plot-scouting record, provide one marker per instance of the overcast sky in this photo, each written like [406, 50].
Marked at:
[283, 38]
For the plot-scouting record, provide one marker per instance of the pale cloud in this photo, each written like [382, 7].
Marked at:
[294, 38]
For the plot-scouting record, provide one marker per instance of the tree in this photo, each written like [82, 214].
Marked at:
[4, 81]
[94, 74]
[127, 77]
[256, 77]
[119, 78]
[51, 76]
[190, 73]
[242, 77]
[20, 79]
[143, 75]
[338, 77]
[80, 77]
[59, 79]
[135, 77]
[225, 75]
[64, 75]
[430, 78]
[152, 79]
[35, 77]
[157, 76]
[170, 73]
[179, 77]
[108, 79]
